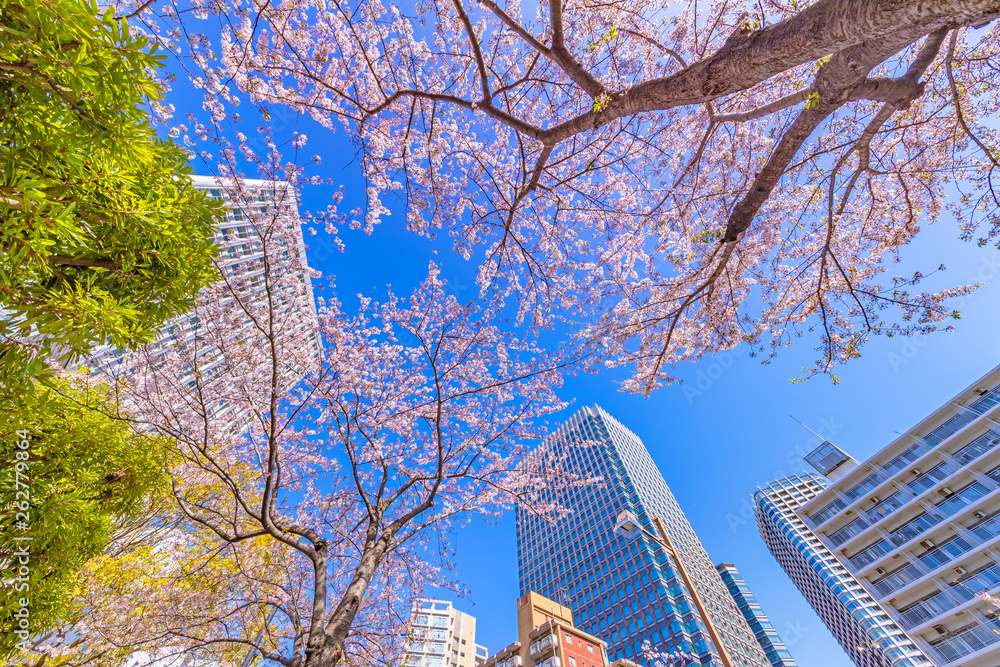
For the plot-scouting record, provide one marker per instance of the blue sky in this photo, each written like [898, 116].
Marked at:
[727, 428]
[717, 436]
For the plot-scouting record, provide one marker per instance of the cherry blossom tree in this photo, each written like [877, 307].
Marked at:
[656, 658]
[682, 177]
[319, 459]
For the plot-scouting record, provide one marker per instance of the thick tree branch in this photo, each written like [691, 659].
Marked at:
[562, 57]
[828, 26]
[958, 105]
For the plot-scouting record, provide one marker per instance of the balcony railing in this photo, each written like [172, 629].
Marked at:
[869, 555]
[977, 447]
[885, 508]
[986, 401]
[927, 609]
[966, 642]
[946, 553]
[915, 527]
[963, 498]
[545, 642]
[897, 579]
[865, 485]
[827, 512]
[973, 585]
[994, 474]
[847, 532]
[950, 427]
[988, 529]
[958, 593]
[897, 463]
[931, 477]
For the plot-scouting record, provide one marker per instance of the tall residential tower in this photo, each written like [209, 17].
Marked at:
[918, 524]
[442, 636]
[241, 259]
[625, 592]
[865, 631]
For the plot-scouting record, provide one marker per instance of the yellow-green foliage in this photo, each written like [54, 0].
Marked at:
[85, 474]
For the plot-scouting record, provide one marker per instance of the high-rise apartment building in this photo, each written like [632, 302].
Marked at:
[775, 649]
[865, 631]
[442, 636]
[547, 637]
[625, 591]
[241, 257]
[918, 524]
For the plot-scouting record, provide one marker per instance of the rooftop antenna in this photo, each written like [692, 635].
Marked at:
[808, 429]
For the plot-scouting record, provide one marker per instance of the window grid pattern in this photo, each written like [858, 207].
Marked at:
[625, 591]
[864, 630]
[775, 649]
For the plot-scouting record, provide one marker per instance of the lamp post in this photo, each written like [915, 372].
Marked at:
[627, 525]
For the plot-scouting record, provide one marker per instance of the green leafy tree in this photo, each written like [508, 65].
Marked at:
[102, 234]
[72, 477]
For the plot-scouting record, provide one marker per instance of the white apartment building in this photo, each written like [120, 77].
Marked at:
[442, 636]
[918, 525]
[242, 258]
[869, 636]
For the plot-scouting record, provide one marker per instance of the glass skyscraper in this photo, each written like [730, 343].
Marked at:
[767, 636]
[625, 591]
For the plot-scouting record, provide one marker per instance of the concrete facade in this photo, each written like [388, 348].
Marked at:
[918, 524]
[442, 636]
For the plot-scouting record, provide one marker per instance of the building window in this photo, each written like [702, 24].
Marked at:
[572, 661]
[590, 648]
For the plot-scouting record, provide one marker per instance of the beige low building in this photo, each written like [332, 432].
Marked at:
[547, 637]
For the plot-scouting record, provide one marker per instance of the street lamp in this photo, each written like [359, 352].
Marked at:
[627, 525]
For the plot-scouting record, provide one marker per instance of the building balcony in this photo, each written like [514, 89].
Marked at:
[914, 528]
[917, 452]
[972, 540]
[986, 402]
[966, 642]
[904, 458]
[843, 534]
[870, 482]
[828, 512]
[897, 579]
[971, 493]
[926, 480]
[869, 555]
[549, 662]
[546, 643]
[953, 596]
[924, 611]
